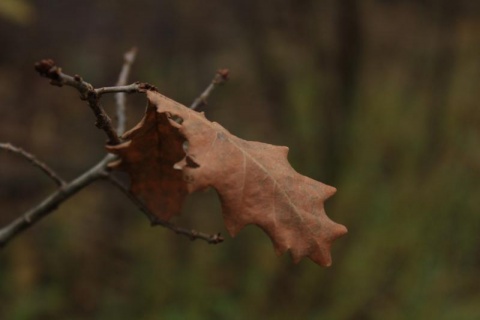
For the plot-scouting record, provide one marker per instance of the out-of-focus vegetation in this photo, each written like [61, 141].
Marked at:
[378, 98]
[17, 11]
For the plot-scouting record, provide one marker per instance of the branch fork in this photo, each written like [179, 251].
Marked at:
[48, 69]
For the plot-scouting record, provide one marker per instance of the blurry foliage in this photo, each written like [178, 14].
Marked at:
[17, 11]
[378, 98]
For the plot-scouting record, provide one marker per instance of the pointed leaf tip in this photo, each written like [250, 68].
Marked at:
[254, 180]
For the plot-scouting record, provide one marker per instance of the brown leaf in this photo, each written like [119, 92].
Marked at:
[152, 149]
[254, 180]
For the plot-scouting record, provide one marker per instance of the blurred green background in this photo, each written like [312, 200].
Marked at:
[377, 98]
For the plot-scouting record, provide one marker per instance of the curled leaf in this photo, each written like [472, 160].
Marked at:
[254, 180]
[148, 156]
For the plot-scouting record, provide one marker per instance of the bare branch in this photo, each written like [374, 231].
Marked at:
[191, 234]
[99, 171]
[34, 161]
[129, 58]
[131, 88]
[220, 78]
[48, 69]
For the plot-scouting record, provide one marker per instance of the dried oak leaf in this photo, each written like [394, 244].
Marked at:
[254, 180]
[152, 148]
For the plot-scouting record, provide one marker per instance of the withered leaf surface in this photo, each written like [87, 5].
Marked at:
[148, 156]
[254, 180]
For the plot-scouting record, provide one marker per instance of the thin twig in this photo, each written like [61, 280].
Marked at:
[131, 88]
[98, 171]
[48, 69]
[129, 58]
[220, 78]
[189, 233]
[34, 161]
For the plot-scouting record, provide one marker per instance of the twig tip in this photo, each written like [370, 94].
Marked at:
[130, 55]
[47, 68]
[224, 74]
